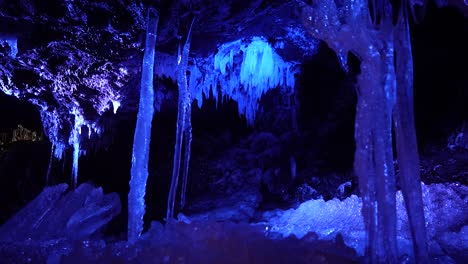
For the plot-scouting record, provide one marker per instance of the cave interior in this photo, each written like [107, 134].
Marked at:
[234, 131]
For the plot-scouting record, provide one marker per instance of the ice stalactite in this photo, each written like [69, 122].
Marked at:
[76, 154]
[49, 167]
[183, 128]
[347, 27]
[142, 138]
[49, 119]
[252, 63]
[74, 141]
[406, 143]
[242, 70]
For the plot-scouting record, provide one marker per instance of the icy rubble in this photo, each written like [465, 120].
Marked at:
[445, 208]
[57, 214]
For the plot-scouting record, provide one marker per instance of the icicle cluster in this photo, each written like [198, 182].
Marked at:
[244, 72]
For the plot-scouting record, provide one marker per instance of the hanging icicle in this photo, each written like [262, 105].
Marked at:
[74, 141]
[243, 70]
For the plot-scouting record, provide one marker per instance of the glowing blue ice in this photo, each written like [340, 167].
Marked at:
[75, 142]
[244, 72]
[115, 105]
[224, 59]
[142, 138]
[13, 43]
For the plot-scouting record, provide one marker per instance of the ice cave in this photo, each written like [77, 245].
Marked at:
[234, 131]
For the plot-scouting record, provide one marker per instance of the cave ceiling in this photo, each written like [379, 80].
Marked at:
[77, 59]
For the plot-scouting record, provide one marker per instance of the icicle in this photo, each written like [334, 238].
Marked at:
[142, 138]
[405, 133]
[250, 62]
[261, 69]
[183, 123]
[74, 140]
[115, 105]
[76, 151]
[51, 161]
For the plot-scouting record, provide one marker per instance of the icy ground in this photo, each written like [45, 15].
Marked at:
[446, 211]
[307, 234]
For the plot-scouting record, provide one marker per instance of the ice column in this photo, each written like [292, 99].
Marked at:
[345, 26]
[183, 126]
[405, 133]
[142, 138]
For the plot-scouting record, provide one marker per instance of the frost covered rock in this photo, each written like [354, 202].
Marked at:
[57, 214]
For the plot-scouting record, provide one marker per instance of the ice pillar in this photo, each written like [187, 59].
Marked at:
[142, 138]
[406, 144]
[183, 126]
[346, 27]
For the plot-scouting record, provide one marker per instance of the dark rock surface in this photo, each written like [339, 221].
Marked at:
[57, 214]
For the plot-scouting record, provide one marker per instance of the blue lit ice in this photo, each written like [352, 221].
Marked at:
[242, 70]
[142, 137]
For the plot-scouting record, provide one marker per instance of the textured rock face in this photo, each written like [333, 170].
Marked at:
[70, 60]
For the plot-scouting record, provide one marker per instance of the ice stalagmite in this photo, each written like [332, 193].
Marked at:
[142, 138]
[183, 126]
